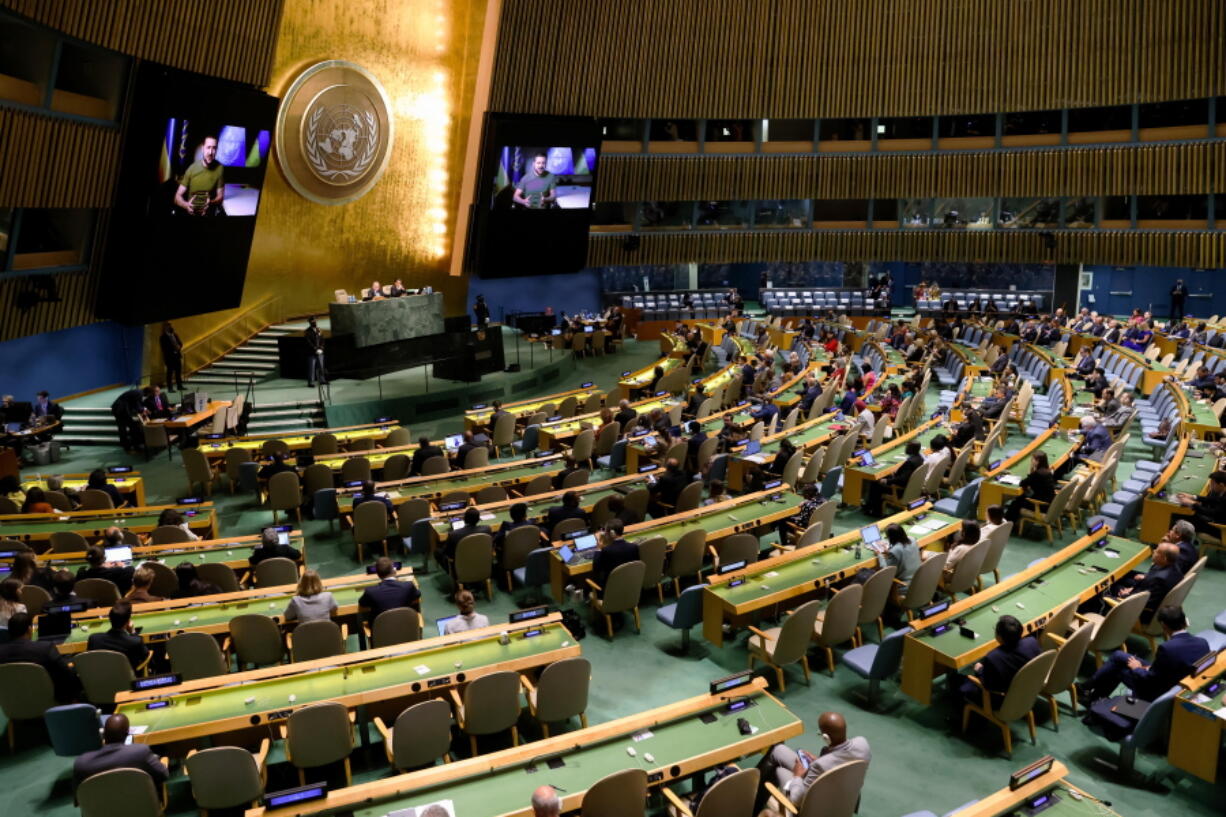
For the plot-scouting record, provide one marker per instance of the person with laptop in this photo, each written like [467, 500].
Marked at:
[898, 479]
[467, 443]
[21, 648]
[445, 555]
[97, 566]
[897, 550]
[1174, 660]
[468, 619]
[272, 546]
[614, 552]
[389, 593]
[120, 638]
[997, 669]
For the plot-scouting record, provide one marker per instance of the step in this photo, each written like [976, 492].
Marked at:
[262, 342]
[293, 404]
[253, 355]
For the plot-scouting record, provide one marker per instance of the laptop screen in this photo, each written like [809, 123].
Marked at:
[870, 534]
[588, 329]
[866, 457]
[555, 331]
[120, 554]
[566, 552]
[453, 440]
[442, 624]
[587, 542]
[752, 447]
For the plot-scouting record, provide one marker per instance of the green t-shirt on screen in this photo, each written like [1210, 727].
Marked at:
[534, 187]
[200, 179]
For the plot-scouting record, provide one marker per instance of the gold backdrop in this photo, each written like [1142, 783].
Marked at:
[425, 53]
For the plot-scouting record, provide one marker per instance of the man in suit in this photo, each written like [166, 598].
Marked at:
[115, 754]
[1210, 508]
[21, 648]
[156, 403]
[97, 567]
[569, 509]
[172, 356]
[992, 407]
[1183, 536]
[625, 415]
[519, 518]
[794, 771]
[388, 594]
[618, 510]
[467, 444]
[271, 548]
[696, 400]
[424, 452]
[569, 467]
[809, 394]
[445, 555]
[44, 407]
[998, 667]
[1179, 294]
[666, 489]
[614, 552]
[1095, 440]
[315, 351]
[1173, 661]
[275, 467]
[876, 488]
[368, 494]
[697, 438]
[1162, 575]
[120, 637]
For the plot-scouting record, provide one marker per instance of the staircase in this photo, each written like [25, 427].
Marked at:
[256, 358]
[88, 425]
[294, 416]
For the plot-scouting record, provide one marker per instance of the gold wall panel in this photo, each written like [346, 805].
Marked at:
[1109, 171]
[47, 161]
[222, 38]
[835, 58]
[1183, 249]
[423, 53]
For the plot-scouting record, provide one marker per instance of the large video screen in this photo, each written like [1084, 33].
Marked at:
[195, 152]
[544, 178]
[537, 193]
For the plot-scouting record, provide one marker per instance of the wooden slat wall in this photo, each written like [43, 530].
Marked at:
[1150, 170]
[834, 58]
[1183, 249]
[233, 39]
[52, 162]
[77, 292]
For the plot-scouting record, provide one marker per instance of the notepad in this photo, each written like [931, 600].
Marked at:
[1010, 479]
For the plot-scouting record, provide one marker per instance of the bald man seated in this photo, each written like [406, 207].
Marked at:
[545, 802]
[114, 754]
[1162, 575]
[796, 770]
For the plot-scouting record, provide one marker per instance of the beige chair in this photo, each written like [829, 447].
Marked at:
[910, 492]
[540, 484]
[103, 673]
[355, 469]
[577, 478]
[923, 585]
[581, 448]
[396, 467]
[67, 541]
[419, 737]
[516, 547]
[396, 626]
[317, 639]
[56, 499]
[435, 466]
[1060, 624]
[837, 622]
[1051, 517]
[318, 735]
[731, 796]
[1111, 631]
[504, 433]
[102, 591]
[255, 639]
[560, 693]
[653, 551]
[324, 443]
[782, 646]
[276, 572]
[689, 497]
[621, 794]
[217, 573]
[490, 705]
[999, 538]
[285, 494]
[620, 594]
[26, 692]
[1175, 597]
[474, 562]
[369, 527]
[227, 777]
[157, 437]
[739, 547]
[835, 792]
[396, 438]
[316, 477]
[1018, 701]
[195, 655]
[686, 558]
[1063, 677]
[94, 500]
[964, 575]
[8, 507]
[477, 458]
[875, 596]
[169, 535]
[567, 526]
[121, 793]
[489, 494]
[35, 598]
[199, 472]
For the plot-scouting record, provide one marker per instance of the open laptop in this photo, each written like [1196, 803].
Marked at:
[119, 555]
[453, 441]
[584, 550]
[752, 447]
[867, 459]
[442, 624]
[871, 536]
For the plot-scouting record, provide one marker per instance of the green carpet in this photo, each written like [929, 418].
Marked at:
[913, 746]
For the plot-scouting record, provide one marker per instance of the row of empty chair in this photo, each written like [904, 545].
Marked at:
[964, 299]
[800, 302]
[671, 306]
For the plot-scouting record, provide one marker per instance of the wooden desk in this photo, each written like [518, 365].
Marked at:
[130, 484]
[1069, 800]
[522, 409]
[1197, 722]
[508, 474]
[35, 529]
[994, 492]
[1183, 473]
[186, 421]
[889, 456]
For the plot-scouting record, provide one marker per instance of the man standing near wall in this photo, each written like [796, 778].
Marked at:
[1179, 294]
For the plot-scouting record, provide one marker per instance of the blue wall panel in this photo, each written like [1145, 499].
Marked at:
[570, 293]
[1149, 289]
[72, 360]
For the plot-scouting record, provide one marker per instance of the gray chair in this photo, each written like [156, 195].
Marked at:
[560, 692]
[877, 662]
[369, 527]
[731, 796]
[474, 562]
[169, 535]
[419, 737]
[276, 572]
[620, 594]
[227, 777]
[396, 467]
[837, 622]
[873, 601]
[835, 792]
[397, 626]
[121, 793]
[103, 673]
[683, 614]
[217, 573]
[195, 655]
[686, 558]
[73, 729]
[787, 644]
[653, 551]
[1063, 676]
[621, 794]
[256, 639]
[317, 639]
[1018, 701]
[67, 541]
[285, 494]
[103, 591]
[26, 693]
[318, 735]
[490, 705]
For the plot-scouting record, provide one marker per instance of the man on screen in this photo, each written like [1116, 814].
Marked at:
[537, 190]
[202, 188]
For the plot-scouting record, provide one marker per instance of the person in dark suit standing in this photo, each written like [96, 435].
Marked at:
[569, 509]
[445, 555]
[115, 754]
[271, 548]
[667, 489]
[21, 648]
[1174, 660]
[389, 593]
[697, 438]
[1179, 294]
[899, 479]
[1162, 575]
[172, 356]
[315, 351]
[425, 450]
[998, 667]
[481, 312]
[120, 637]
[614, 552]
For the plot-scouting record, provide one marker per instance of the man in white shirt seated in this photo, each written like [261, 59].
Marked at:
[939, 455]
[794, 771]
[996, 518]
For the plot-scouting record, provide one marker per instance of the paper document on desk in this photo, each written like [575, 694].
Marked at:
[756, 458]
[1010, 479]
[1221, 713]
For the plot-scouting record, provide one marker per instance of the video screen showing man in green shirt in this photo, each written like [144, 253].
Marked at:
[202, 188]
[537, 190]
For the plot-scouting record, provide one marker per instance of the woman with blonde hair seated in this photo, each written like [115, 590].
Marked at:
[311, 602]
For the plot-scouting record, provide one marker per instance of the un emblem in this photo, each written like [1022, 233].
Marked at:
[334, 132]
